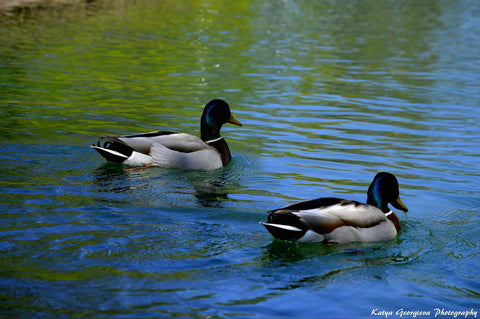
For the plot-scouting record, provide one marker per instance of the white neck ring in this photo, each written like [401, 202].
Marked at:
[211, 141]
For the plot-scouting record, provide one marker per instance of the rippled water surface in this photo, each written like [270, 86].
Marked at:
[329, 94]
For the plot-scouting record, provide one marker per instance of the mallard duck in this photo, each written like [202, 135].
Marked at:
[338, 220]
[173, 149]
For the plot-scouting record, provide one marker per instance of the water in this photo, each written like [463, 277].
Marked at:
[329, 93]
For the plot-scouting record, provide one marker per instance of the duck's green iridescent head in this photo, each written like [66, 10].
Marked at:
[383, 191]
[215, 114]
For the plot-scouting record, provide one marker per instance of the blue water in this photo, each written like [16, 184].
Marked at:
[329, 94]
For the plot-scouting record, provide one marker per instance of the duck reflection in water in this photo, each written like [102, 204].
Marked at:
[169, 186]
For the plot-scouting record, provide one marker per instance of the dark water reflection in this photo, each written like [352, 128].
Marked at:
[329, 94]
[208, 189]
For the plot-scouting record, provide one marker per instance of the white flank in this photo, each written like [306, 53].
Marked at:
[138, 159]
[347, 234]
[311, 237]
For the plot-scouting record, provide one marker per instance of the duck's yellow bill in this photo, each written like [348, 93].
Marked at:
[399, 205]
[234, 121]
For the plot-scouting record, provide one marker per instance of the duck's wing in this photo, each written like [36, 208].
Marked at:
[324, 215]
[176, 141]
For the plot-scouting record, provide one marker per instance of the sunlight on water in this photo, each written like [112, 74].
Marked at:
[329, 94]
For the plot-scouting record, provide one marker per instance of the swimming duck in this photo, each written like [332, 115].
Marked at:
[338, 220]
[173, 149]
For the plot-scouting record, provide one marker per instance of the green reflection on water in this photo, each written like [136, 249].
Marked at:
[126, 67]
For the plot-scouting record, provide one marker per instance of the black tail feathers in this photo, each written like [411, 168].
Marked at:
[113, 150]
[285, 226]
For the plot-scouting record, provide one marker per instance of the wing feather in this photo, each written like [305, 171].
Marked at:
[180, 142]
[324, 215]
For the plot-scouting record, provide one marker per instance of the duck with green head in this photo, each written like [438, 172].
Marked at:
[337, 220]
[173, 149]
